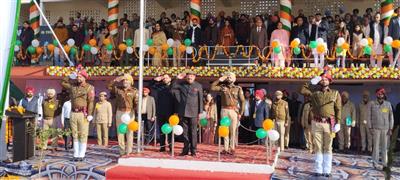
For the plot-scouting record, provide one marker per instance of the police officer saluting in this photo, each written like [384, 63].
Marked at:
[82, 100]
[326, 107]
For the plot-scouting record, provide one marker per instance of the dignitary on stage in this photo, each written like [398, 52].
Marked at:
[126, 103]
[261, 111]
[233, 105]
[103, 119]
[82, 100]
[32, 103]
[148, 115]
[189, 108]
[326, 107]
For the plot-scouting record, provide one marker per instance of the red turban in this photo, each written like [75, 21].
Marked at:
[380, 91]
[327, 76]
[146, 90]
[260, 93]
[83, 73]
[29, 89]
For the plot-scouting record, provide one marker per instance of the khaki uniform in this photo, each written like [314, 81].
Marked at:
[306, 119]
[344, 135]
[325, 106]
[232, 101]
[50, 106]
[280, 113]
[366, 135]
[126, 102]
[103, 119]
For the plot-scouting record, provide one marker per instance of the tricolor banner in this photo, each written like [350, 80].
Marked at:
[285, 14]
[34, 18]
[195, 10]
[113, 16]
[387, 11]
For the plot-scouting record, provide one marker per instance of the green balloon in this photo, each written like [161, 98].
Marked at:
[203, 122]
[225, 121]
[313, 44]
[31, 50]
[122, 128]
[387, 48]
[170, 51]
[367, 50]
[18, 42]
[261, 133]
[73, 51]
[109, 47]
[296, 50]
[277, 50]
[129, 42]
[188, 42]
[55, 42]
[166, 128]
[339, 49]
[150, 42]
[86, 47]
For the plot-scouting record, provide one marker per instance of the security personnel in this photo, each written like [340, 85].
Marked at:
[50, 106]
[280, 113]
[348, 121]
[233, 105]
[126, 99]
[380, 122]
[326, 107]
[366, 135]
[82, 100]
[306, 118]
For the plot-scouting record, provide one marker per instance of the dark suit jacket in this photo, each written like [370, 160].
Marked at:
[300, 32]
[261, 112]
[165, 99]
[197, 36]
[380, 29]
[26, 37]
[259, 39]
[190, 100]
[394, 28]
[321, 33]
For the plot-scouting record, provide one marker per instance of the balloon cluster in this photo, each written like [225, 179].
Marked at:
[168, 47]
[319, 45]
[366, 44]
[276, 47]
[267, 130]
[172, 125]
[223, 130]
[341, 45]
[295, 46]
[127, 124]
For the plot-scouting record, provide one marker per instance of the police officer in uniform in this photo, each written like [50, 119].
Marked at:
[50, 107]
[326, 107]
[82, 100]
[233, 105]
[280, 113]
[348, 121]
[126, 103]
[366, 135]
[306, 118]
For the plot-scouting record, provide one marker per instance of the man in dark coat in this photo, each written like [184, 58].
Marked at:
[190, 105]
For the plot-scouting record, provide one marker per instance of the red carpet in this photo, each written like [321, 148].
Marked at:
[127, 172]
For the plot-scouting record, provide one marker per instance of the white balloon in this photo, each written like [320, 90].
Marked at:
[170, 42]
[16, 48]
[203, 115]
[35, 43]
[364, 42]
[340, 41]
[178, 130]
[320, 40]
[273, 135]
[129, 50]
[388, 40]
[145, 48]
[297, 40]
[189, 50]
[109, 52]
[125, 118]
[56, 51]
[94, 50]
[71, 42]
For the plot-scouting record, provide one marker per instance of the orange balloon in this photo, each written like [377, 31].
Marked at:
[50, 47]
[268, 124]
[164, 47]
[370, 41]
[93, 42]
[106, 41]
[122, 47]
[182, 48]
[67, 48]
[274, 44]
[133, 126]
[320, 48]
[396, 44]
[152, 50]
[294, 44]
[39, 50]
[223, 131]
[173, 120]
[346, 46]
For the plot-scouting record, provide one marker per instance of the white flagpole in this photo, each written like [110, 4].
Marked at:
[141, 59]
[54, 34]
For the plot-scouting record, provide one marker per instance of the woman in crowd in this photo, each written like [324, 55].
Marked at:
[282, 37]
[210, 107]
[357, 35]
[104, 55]
[341, 32]
[227, 35]
[159, 38]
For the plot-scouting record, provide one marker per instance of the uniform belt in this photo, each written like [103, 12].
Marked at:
[322, 120]
[79, 109]
[48, 118]
[125, 109]
[229, 107]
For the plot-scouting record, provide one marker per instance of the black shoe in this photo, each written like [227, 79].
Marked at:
[162, 149]
[327, 175]
[318, 174]
[183, 154]
[193, 153]
[75, 159]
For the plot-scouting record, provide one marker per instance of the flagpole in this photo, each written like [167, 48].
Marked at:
[141, 59]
